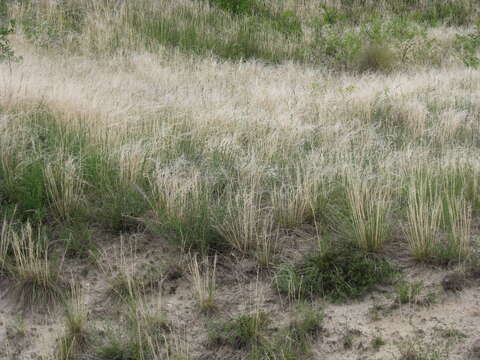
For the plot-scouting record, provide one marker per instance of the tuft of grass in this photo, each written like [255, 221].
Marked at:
[37, 281]
[339, 273]
[185, 210]
[203, 277]
[240, 227]
[244, 331]
[414, 350]
[376, 57]
[453, 333]
[6, 236]
[293, 342]
[377, 342]
[367, 223]
[148, 325]
[77, 337]
[457, 247]
[142, 335]
[64, 188]
[79, 242]
[423, 219]
[408, 292]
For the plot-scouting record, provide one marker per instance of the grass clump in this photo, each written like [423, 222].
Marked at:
[37, 281]
[365, 219]
[203, 277]
[141, 336]
[338, 273]
[77, 337]
[414, 350]
[408, 292]
[377, 342]
[241, 332]
[293, 342]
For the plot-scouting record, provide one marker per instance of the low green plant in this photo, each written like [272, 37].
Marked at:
[294, 341]
[408, 292]
[79, 242]
[77, 336]
[244, 331]
[415, 350]
[377, 342]
[467, 46]
[7, 54]
[453, 333]
[338, 273]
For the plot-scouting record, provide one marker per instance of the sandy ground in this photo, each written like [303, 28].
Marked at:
[347, 333]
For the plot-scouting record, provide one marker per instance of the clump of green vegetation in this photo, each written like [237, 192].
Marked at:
[468, 46]
[7, 54]
[244, 331]
[143, 333]
[294, 341]
[377, 342]
[408, 292]
[77, 337]
[339, 273]
[79, 242]
[415, 350]
[453, 333]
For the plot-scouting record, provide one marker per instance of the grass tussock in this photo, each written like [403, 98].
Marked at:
[37, 279]
[203, 278]
[242, 332]
[338, 274]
